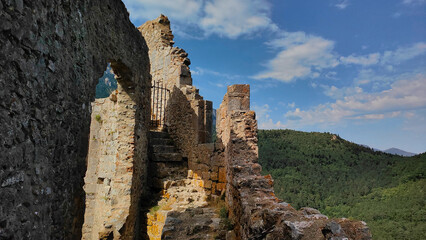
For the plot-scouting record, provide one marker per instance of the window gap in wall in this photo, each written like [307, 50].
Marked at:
[107, 83]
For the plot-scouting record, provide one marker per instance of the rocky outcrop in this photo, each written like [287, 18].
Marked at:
[250, 197]
[51, 55]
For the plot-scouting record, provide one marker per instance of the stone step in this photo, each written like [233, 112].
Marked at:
[163, 149]
[156, 134]
[161, 141]
[166, 157]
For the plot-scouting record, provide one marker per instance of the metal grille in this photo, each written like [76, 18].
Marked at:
[159, 97]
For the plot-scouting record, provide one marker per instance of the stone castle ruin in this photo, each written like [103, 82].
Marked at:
[140, 164]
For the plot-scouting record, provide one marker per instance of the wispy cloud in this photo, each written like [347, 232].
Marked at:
[225, 18]
[339, 93]
[413, 2]
[342, 4]
[392, 57]
[300, 56]
[402, 54]
[204, 71]
[370, 59]
[404, 95]
[233, 18]
[179, 10]
[263, 118]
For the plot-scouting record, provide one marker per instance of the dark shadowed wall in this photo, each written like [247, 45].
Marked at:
[51, 55]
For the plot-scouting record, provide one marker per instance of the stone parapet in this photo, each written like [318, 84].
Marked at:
[250, 198]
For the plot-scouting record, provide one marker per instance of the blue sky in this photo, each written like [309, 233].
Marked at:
[356, 68]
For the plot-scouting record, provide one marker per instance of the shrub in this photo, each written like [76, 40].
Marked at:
[98, 118]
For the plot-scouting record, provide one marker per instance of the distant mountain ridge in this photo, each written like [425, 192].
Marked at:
[400, 152]
[395, 151]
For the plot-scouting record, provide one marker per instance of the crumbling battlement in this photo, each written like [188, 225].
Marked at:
[52, 54]
[188, 115]
[250, 197]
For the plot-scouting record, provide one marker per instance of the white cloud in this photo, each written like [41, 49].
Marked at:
[339, 93]
[179, 10]
[203, 71]
[342, 4]
[387, 58]
[264, 120]
[233, 18]
[370, 59]
[404, 96]
[226, 18]
[415, 121]
[331, 75]
[397, 15]
[403, 53]
[378, 116]
[366, 76]
[300, 56]
[413, 2]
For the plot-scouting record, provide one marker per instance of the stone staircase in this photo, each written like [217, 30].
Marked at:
[181, 210]
[166, 163]
[162, 149]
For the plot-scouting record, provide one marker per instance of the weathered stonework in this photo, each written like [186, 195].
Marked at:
[51, 55]
[110, 167]
[189, 116]
[53, 132]
[250, 197]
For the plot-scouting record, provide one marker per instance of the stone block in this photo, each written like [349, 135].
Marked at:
[208, 184]
[190, 174]
[239, 88]
[214, 176]
[222, 175]
[220, 186]
[205, 175]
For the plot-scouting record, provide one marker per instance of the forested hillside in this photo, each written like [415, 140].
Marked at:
[343, 179]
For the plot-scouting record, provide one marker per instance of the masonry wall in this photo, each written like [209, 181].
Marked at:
[188, 115]
[51, 56]
[110, 167]
[250, 198]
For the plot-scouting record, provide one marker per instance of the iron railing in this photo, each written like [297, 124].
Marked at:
[159, 96]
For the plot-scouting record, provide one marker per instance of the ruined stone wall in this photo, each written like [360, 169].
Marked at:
[110, 165]
[51, 55]
[250, 198]
[188, 115]
[169, 65]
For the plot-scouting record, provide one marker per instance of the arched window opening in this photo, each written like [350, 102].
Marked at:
[110, 160]
[106, 84]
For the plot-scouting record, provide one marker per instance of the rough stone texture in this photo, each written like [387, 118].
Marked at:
[188, 115]
[165, 163]
[169, 65]
[110, 169]
[184, 212]
[250, 197]
[51, 56]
